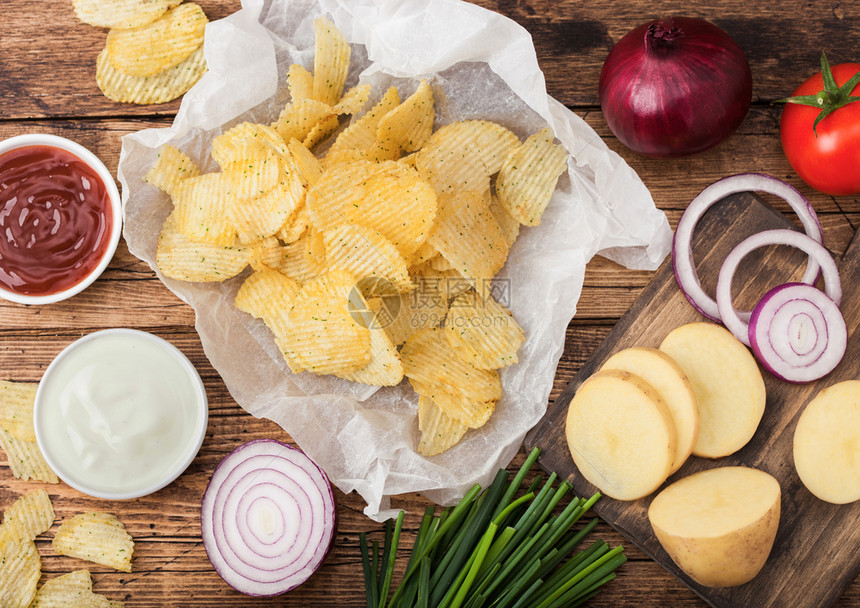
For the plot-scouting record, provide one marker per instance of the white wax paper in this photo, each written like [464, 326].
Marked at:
[481, 65]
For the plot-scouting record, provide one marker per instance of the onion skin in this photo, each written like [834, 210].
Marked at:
[674, 87]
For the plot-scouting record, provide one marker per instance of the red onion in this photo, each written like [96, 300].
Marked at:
[798, 333]
[675, 86]
[816, 251]
[682, 251]
[268, 518]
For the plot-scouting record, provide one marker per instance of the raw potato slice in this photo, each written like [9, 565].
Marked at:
[438, 430]
[179, 258]
[32, 514]
[97, 537]
[826, 443]
[72, 590]
[25, 459]
[621, 435]
[365, 253]
[718, 525]
[662, 372]
[159, 45]
[20, 568]
[408, 126]
[171, 167]
[728, 385]
[483, 332]
[159, 87]
[528, 177]
[121, 14]
[358, 140]
[16, 409]
[331, 61]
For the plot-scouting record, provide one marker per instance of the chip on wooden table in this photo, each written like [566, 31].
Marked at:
[121, 14]
[171, 167]
[245, 141]
[16, 409]
[409, 125]
[529, 175]
[365, 253]
[185, 260]
[483, 332]
[97, 537]
[20, 568]
[158, 45]
[25, 459]
[331, 61]
[72, 590]
[159, 87]
[32, 513]
[358, 140]
[439, 431]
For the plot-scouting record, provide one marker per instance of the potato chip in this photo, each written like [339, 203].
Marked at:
[306, 163]
[182, 259]
[25, 459]
[200, 209]
[97, 537]
[324, 337]
[20, 568]
[358, 140]
[121, 14]
[509, 226]
[254, 176]
[483, 332]
[365, 253]
[489, 141]
[438, 430]
[464, 392]
[331, 61]
[321, 130]
[440, 263]
[384, 368]
[408, 126]
[468, 236]
[528, 177]
[263, 215]
[16, 409]
[171, 167]
[160, 87]
[452, 160]
[245, 142]
[424, 253]
[366, 192]
[72, 590]
[353, 100]
[299, 118]
[267, 294]
[32, 514]
[296, 226]
[158, 45]
[300, 83]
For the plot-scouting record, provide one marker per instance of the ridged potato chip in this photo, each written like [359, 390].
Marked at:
[365, 253]
[358, 140]
[25, 459]
[171, 167]
[121, 14]
[438, 430]
[320, 131]
[263, 215]
[299, 118]
[20, 568]
[453, 160]
[252, 176]
[483, 332]
[200, 209]
[384, 368]
[72, 590]
[158, 45]
[408, 126]
[331, 61]
[160, 87]
[510, 227]
[299, 262]
[528, 177]
[245, 142]
[353, 100]
[266, 253]
[16, 409]
[97, 537]
[296, 226]
[306, 163]
[300, 83]
[185, 260]
[32, 514]
[268, 294]
[489, 141]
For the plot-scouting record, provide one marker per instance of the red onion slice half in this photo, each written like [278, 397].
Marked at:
[798, 333]
[817, 253]
[682, 245]
[268, 518]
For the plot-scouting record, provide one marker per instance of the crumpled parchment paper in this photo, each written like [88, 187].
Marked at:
[482, 65]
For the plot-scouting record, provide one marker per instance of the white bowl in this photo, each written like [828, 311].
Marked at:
[91, 160]
[120, 413]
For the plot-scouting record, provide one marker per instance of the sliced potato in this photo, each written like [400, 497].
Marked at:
[718, 525]
[621, 435]
[729, 389]
[827, 443]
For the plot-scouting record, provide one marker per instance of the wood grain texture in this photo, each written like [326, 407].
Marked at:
[795, 575]
[47, 84]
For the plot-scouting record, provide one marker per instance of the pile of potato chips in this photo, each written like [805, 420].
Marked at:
[97, 537]
[390, 238]
[154, 50]
[18, 435]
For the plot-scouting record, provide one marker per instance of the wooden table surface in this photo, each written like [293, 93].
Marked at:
[47, 84]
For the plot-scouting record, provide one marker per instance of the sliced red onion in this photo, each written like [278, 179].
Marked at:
[816, 251]
[798, 333]
[268, 518]
[682, 246]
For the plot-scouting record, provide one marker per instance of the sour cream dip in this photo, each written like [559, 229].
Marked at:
[120, 413]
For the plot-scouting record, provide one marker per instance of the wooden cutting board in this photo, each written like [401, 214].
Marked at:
[817, 549]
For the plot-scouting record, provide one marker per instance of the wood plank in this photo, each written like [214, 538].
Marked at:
[795, 575]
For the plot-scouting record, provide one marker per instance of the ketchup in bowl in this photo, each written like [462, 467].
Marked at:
[55, 220]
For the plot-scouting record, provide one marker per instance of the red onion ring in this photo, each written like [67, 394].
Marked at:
[816, 251]
[682, 249]
[268, 518]
[798, 333]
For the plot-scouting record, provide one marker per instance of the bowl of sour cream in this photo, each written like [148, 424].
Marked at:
[120, 414]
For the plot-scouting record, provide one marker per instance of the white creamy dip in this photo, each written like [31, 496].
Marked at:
[120, 413]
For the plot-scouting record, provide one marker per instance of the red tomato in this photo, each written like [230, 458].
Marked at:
[830, 162]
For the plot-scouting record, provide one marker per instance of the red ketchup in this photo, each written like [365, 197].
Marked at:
[55, 220]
